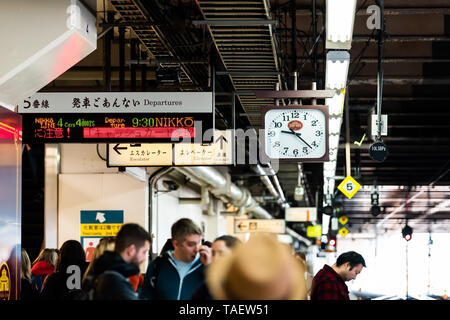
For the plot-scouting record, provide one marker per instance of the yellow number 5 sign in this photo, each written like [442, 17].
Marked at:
[349, 187]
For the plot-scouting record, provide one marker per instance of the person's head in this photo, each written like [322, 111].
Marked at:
[48, 255]
[223, 245]
[260, 269]
[70, 253]
[186, 239]
[133, 243]
[105, 244]
[26, 266]
[349, 265]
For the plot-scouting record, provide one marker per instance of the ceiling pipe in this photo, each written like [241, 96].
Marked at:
[221, 187]
[275, 187]
[266, 181]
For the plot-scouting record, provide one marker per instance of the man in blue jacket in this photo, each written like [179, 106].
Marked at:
[177, 273]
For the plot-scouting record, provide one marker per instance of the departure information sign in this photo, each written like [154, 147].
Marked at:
[117, 117]
[119, 127]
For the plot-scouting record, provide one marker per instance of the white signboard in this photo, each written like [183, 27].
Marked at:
[118, 102]
[301, 214]
[217, 153]
[259, 225]
[173, 154]
[140, 154]
[374, 124]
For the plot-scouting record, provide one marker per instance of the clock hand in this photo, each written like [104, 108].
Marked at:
[298, 136]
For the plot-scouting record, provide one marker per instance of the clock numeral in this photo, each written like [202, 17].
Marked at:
[278, 124]
[277, 144]
[304, 116]
[271, 133]
[318, 133]
[286, 149]
[295, 151]
[295, 115]
[314, 122]
[305, 150]
[285, 118]
[314, 144]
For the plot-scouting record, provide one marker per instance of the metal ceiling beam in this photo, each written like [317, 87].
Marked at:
[302, 11]
[235, 22]
[402, 81]
[399, 98]
[391, 38]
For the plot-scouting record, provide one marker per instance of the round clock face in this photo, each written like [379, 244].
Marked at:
[295, 133]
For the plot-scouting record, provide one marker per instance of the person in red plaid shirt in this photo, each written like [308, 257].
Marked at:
[329, 282]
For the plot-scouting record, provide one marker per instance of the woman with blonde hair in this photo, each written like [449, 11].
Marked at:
[43, 266]
[27, 291]
[105, 244]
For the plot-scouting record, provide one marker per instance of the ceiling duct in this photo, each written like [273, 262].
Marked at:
[221, 186]
[42, 40]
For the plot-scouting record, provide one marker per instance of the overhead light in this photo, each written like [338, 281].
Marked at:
[339, 23]
[337, 69]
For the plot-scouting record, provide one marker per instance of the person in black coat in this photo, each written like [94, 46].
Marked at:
[108, 278]
[65, 283]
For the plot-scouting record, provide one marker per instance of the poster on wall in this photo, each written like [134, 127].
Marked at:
[96, 224]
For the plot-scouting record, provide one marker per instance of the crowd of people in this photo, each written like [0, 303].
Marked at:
[187, 268]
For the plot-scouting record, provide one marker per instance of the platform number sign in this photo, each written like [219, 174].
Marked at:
[349, 187]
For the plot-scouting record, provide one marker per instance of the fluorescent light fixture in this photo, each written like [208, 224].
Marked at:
[337, 69]
[336, 104]
[335, 125]
[334, 142]
[325, 223]
[339, 23]
[329, 185]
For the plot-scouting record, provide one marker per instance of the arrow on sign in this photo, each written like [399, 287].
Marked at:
[242, 226]
[222, 139]
[100, 217]
[117, 148]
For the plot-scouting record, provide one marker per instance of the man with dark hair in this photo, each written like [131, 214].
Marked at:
[108, 279]
[329, 282]
[176, 273]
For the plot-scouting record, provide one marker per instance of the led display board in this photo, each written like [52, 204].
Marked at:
[124, 127]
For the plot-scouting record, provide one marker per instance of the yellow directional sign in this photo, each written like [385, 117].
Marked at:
[343, 231]
[314, 231]
[349, 187]
[343, 220]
